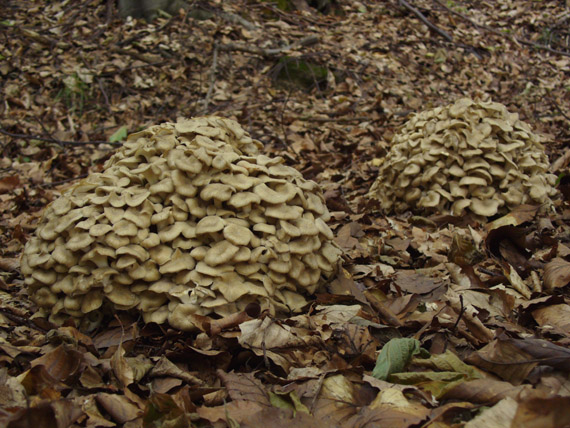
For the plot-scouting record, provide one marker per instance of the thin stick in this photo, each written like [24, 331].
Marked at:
[67, 180]
[499, 33]
[425, 20]
[213, 72]
[461, 312]
[53, 140]
[269, 53]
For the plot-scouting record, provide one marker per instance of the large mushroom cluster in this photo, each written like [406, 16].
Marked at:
[470, 155]
[186, 219]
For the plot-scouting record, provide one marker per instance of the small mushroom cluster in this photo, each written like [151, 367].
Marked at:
[186, 218]
[470, 155]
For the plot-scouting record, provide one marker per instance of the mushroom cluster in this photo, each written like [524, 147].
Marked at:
[186, 218]
[470, 155]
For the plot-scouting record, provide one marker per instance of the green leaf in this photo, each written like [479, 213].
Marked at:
[437, 383]
[449, 362]
[279, 401]
[119, 135]
[288, 401]
[395, 356]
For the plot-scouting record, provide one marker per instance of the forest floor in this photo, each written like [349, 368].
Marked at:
[472, 343]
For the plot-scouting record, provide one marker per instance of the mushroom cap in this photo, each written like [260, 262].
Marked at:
[186, 219]
[470, 155]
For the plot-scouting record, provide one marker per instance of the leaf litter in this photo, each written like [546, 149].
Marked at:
[438, 321]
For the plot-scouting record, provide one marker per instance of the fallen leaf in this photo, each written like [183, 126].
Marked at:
[501, 415]
[394, 357]
[120, 408]
[537, 412]
[8, 184]
[556, 273]
[555, 318]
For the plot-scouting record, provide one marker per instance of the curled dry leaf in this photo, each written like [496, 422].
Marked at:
[556, 273]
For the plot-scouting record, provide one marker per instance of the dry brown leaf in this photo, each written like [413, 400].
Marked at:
[277, 418]
[543, 413]
[121, 368]
[165, 367]
[556, 273]
[8, 184]
[9, 264]
[120, 408]
[413, 282]
[62, 364]
[383, 417]
[504, 359]
[486, 391]
[554, 319]
[500, 415]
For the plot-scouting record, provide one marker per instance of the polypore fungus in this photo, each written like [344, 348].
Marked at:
[186, 218]
[470, 155]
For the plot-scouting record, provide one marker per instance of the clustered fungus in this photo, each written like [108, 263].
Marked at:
[186, 218]
[469, 155]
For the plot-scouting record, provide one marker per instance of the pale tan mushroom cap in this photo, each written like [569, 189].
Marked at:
[186, 218]
[470, 155]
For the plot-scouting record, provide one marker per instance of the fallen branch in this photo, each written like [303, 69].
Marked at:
[555, 104]
[269, 53]
[334, 119]
[213, 72]
[422, 18]
[67, 180]
[54, 140]
[233, 18]
[435, 28]
[500, 33]
[148, 58]
[561, 162]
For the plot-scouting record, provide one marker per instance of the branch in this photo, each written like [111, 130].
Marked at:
[269, 53]
[67, 180]
[236, 19]
[425, 20]
[54, 140]
[437, 29]
[333, 119]
[213, 72]
[499, 33]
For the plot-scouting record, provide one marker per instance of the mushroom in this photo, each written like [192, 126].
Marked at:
[186, 219]
[468, 156]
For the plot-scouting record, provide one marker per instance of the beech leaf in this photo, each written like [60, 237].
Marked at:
[395, 356]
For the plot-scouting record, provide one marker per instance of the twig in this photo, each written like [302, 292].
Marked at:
[334, 119]
[67, 180]
[461, 312]
[269, 53]
[552, 101]
[236, 19]
[53, 140]
[425, 20]
[438, 30]
[386, 313]
[148, 58]
[213, 72]
[20, 319]
[45, 130]
[322, 378]
[561, 162]
[102, 87]
[282, 121]
[134, 67]
[499, 33]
